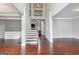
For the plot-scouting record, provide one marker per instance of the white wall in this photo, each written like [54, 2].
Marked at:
[12, 29]
[66, 28]
[75, 25]
[62, 28]
[51, 10]
[13, 35]
[2, 27]
[13, 25]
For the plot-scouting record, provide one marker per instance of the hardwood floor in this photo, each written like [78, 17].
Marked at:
[33, 50]
[66, 46]
[61, 46]
[11, 47]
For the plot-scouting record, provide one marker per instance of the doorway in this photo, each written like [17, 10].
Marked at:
[41, 27]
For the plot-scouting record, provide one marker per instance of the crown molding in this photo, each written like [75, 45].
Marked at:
[10, 18]
[66, 17]
[2, 14]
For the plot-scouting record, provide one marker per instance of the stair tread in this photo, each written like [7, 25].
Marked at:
[32, 37]
[32, 34]
[31, 42]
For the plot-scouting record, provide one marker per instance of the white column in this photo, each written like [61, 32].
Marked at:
[25, 28]
[51, 32]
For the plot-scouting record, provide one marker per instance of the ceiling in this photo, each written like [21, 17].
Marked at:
[68, 11]
[9, 12]
[7, 8]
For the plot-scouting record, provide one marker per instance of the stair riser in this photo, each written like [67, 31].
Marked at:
[32, 37]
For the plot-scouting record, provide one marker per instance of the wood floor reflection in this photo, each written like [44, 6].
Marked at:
[12, 47]
[66, 46]
[61, 46]
[33, 50]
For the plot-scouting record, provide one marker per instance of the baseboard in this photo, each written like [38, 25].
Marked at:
[13, 39]
[76, 37]
[1, 38]
[66, 37]
[63, 37]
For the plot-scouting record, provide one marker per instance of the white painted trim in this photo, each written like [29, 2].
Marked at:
[39, 46]
[23, 44]
[64, 37]
[1, 37]
[11, 39]
[38, 17]
[76, 37]
[75, 17]
[9, 14]
[12, 35]
[62, 18]
[66, 17]
[23, 49]
[9, 18]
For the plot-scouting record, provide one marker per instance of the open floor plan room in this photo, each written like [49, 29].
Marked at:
[39, 29]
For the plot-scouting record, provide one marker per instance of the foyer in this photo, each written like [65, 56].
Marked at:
[23, 29]
[39, 29]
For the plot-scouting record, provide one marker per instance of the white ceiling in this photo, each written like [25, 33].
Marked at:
[7, 8]
[68, 11]
[9, 12]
